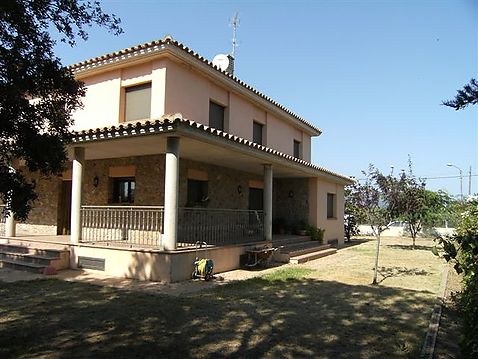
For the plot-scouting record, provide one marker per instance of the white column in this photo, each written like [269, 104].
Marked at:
[76, 185]
[268, 202]
[10, 225]
[171, 194]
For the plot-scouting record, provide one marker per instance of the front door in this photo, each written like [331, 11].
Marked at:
[64, 209]
[256, 202]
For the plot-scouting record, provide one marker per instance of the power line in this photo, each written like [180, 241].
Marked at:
[431, 178]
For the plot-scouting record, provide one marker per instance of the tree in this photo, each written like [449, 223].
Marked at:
[372, 200]
[351, 214]
[462, 249]
[467, 96]
[37, 94]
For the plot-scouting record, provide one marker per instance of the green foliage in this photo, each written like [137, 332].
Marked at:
[462, 248]
[316, 234]
[465, 97]
[350, 215]
[37, 94]
[288, 274]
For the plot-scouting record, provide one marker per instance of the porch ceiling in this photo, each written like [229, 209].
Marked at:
[191, 149]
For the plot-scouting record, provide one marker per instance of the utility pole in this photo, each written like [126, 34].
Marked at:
[469, 182]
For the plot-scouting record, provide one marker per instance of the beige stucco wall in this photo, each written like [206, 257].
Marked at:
[334, 227]
[104, 98]
[157, 265]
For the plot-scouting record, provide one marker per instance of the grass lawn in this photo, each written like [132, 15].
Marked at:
[324, 309]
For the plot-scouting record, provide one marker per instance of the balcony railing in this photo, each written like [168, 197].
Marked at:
[133, 225]
[219, 226]
[143, 225]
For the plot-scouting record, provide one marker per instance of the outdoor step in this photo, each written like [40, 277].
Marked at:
[21, 265]
[44, 252]
[298, 251]
[311, 256]
[290, 240]
[26, 257]
[303, 245]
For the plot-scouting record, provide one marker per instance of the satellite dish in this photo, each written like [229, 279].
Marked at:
[221, 61]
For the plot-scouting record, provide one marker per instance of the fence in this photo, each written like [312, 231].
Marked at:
[143, 225]
[219, 226]
[134, 225]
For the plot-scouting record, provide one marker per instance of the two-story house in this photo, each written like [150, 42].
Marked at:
[169, 150]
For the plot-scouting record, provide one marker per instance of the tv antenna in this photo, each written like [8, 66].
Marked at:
[235, 24]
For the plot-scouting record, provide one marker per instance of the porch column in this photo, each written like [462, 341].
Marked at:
[10, 225]
[268, 202]
[171, 194]
[76, 185]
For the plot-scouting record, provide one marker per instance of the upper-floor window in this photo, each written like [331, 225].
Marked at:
[297, 151]
[216, 116]
[257, 132]
[197, 193]
[137, 102]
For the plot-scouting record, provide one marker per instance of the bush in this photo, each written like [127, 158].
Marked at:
[463, 249]
[316, 234]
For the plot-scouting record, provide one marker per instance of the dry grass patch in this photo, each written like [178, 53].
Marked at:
[324, 309]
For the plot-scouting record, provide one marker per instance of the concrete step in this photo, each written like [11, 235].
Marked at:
[304, 249]
[311, 256]
[289, 240]
[21, 265]
[27, 257]
[33, 258]
[44, 252]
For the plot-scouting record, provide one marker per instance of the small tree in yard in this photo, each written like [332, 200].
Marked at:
[351, 215]
[371, 200]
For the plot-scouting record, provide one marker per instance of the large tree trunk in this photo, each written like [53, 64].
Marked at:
[376, 261]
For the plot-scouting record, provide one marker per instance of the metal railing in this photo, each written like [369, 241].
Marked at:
[219, 226]
[143, 225]
[133, 225]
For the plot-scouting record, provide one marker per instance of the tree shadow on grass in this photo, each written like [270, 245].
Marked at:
[410, 247]
[390, 272]
[258, 318]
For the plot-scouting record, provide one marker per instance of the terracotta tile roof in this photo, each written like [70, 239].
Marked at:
[157, 45]
[157, 126]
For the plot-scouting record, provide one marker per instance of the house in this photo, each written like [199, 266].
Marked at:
[169, 150]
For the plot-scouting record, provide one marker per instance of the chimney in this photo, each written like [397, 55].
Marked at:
[230, 68]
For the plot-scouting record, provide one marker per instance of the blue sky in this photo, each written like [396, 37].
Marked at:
[371, 74]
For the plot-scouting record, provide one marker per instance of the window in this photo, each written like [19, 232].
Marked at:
[331, 205]
[123, 190]
[297, 149]
[197, 193]
[216, 116]
[137, 102]
[257, 132]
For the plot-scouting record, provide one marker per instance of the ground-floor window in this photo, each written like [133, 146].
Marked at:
[123, 190]
[331, 205]
[197, 193]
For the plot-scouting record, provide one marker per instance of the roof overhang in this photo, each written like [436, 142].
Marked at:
[198, 143]
[178, 52]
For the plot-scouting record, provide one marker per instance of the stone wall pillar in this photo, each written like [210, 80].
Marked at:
[171, 194]
[268, 202]
[76, 187]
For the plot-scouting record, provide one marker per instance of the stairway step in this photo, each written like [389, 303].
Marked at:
[298, 251]
[304, 245]
[311, 256]
[290, 240]
[21, 265]
[14, 248]
[27, 257]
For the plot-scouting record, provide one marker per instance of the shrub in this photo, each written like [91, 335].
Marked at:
[316, 234]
